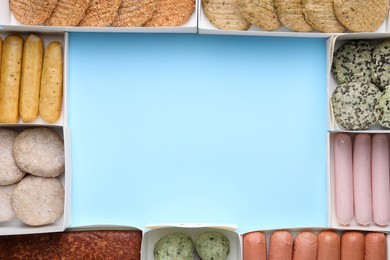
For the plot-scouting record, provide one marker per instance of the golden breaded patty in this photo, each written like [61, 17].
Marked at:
[32, 12]
[171, 13]
[225, 14]
[134, 13]
[101, 13]
[68, 13]
[361, 15]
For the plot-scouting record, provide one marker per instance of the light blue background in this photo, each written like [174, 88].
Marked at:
[198, 129]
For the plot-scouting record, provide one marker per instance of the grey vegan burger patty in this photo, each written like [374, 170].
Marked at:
[354, 103]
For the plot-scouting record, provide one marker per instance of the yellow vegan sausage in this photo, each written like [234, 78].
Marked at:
[31, 78]
[50, 101]
[11, 66]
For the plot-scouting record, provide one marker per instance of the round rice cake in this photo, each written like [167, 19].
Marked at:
[260, 13]
[290, 13]
[212, 245]
[171, 13]
[381, 64]
[32, 12]
[174, 246]
[6, 211]
[68, 13]
[225, 14]
[354, 103]
[100, 13]
[319, 13]
[352, 62]
[38, 201]
[134, 13]
[382, 109]
[361, 15]
[9, 171]
[40, 152]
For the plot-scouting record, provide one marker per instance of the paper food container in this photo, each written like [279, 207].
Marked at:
[9, 22]
[152, 235]
[332, 45]
[333, 221]
[16, 226]
[295, 231]
[206, 27]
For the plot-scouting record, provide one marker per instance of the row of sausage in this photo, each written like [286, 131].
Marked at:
[327, 245]
[362, 179]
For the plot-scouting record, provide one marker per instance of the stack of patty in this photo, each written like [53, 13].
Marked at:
[362, 97]
[329, 16]
[119, 13]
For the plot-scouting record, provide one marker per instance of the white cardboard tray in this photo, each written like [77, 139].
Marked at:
[9, 22]
[15, 226]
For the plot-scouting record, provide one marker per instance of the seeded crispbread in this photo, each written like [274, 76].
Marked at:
[68, 13]
[32, 12]
[225, 14]
[381, 64]
[171, 13]
[319, 13]
[352, 62]
[38, 201]
[9, 172]
[361, 15]
[100, 13]
[290, 13]
[134, 13]
[354, 104]
[261, 13]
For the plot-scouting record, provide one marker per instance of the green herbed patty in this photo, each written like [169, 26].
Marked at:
[382, 109]
[175, 246]
[212, 246]
[352, 62]
[354, 103]
[381, 65]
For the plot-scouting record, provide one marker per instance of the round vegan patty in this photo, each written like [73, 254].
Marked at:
[174, 246]
[9, 171]
[352, 62]
[382, 109]
[381, 65]
[354, 104]
[38, 201]
[40, 152]
[212, 246]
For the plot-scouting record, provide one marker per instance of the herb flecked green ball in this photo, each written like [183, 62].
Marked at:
[175, 246]
[212, 246]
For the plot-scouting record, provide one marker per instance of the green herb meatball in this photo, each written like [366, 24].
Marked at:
[212, 246]
[175, 246]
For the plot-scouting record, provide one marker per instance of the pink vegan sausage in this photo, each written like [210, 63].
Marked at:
[352, 246]
[362, 179]
[375, 246]
[380, 180]
[328, 246]
[280, 246]
[305, 246]
[255, 247]
[343, 178]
